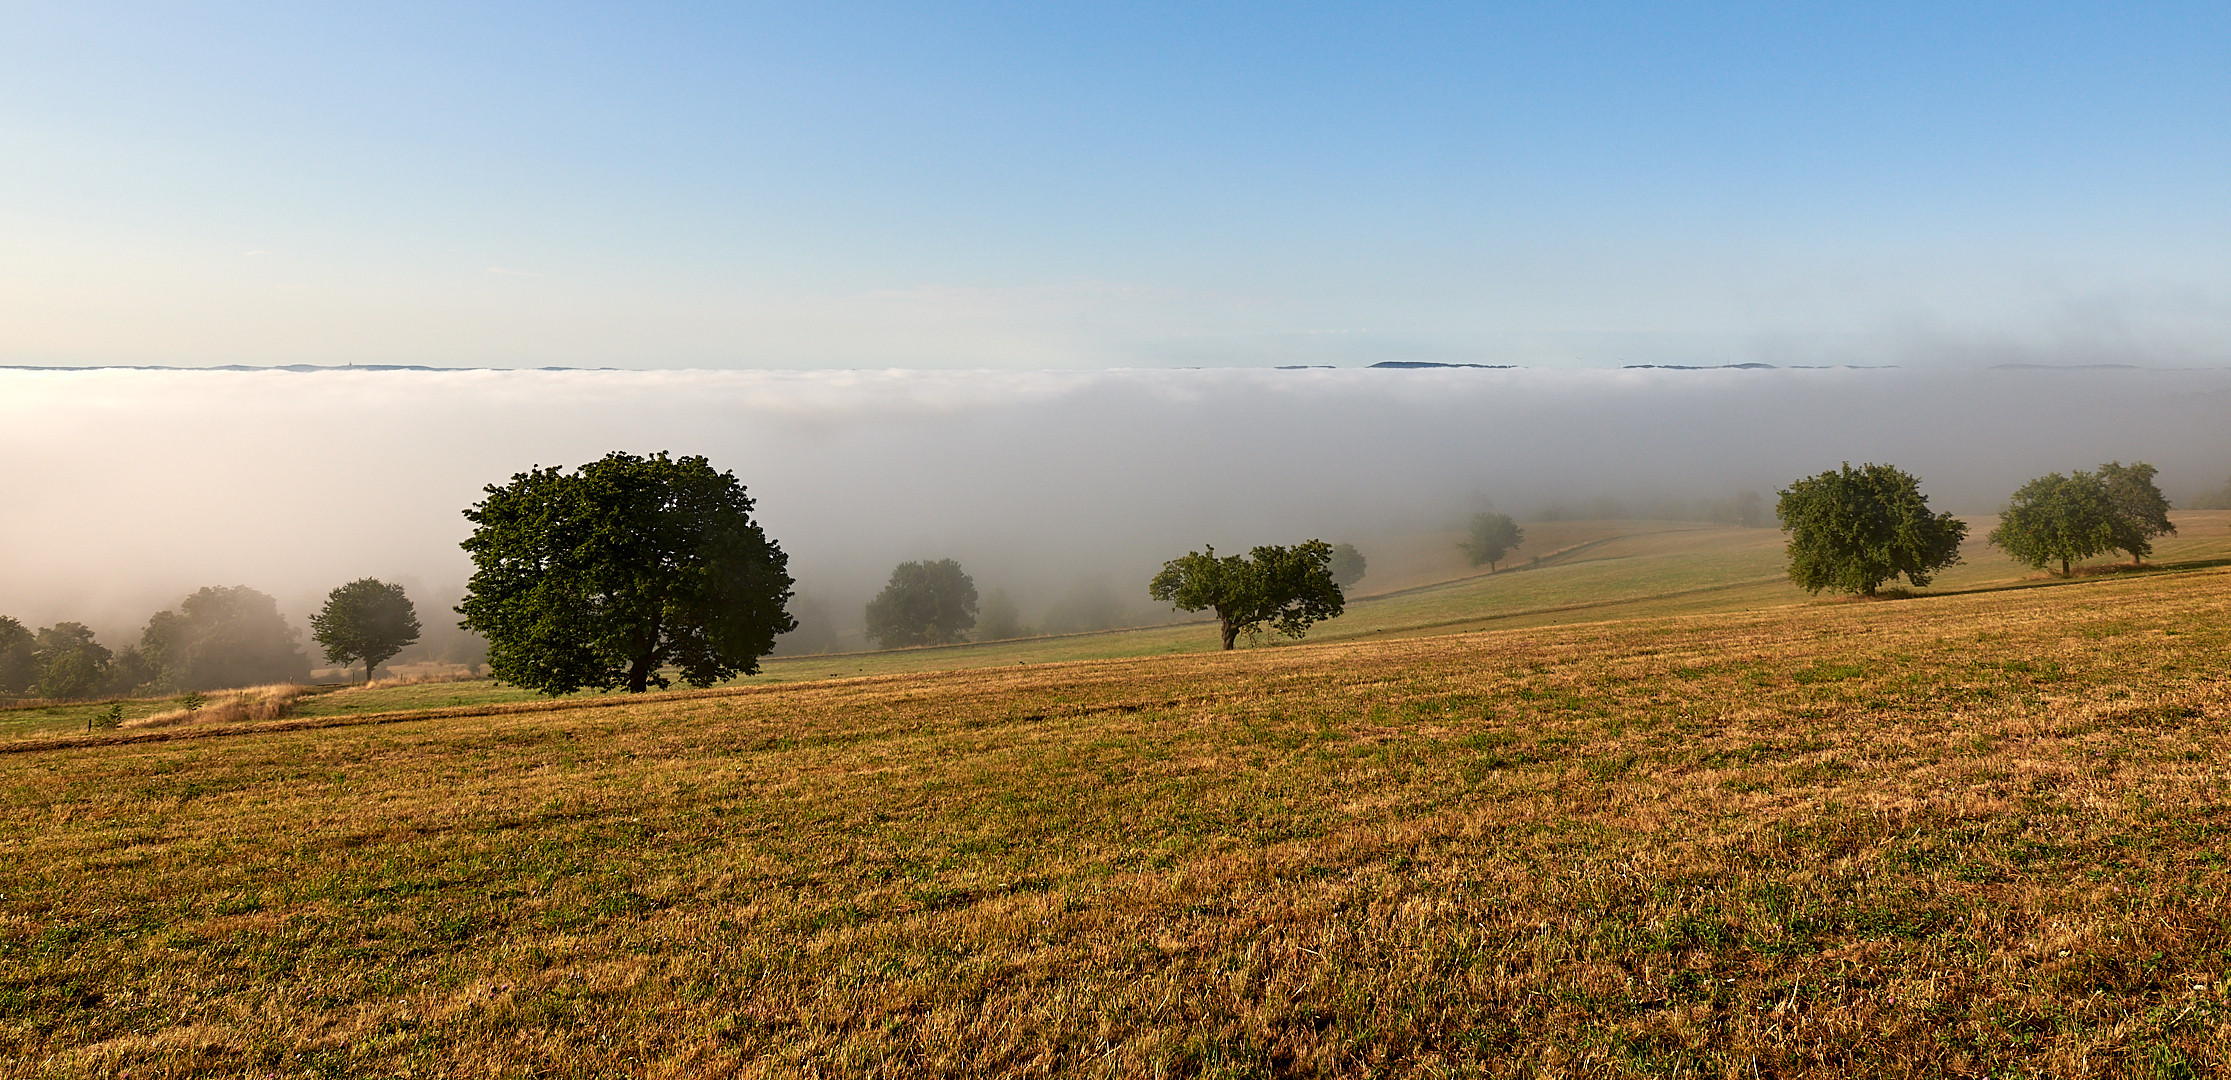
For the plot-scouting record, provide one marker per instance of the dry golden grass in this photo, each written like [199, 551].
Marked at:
[1953, 835]
[247, 705]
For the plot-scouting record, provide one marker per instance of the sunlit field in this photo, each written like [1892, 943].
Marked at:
[1979, 832]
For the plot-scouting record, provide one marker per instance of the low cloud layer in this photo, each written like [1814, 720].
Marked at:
[126, 489]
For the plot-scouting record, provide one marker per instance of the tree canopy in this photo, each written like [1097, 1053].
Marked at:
[72, 666]
[925, 603]
[2141, 511]
[1000, 619]
[2068, 518]
[1493, 536]
[19, 661]
[2219, 499]
[1285, 588]
[222, 637]
[366, 619]
[1348, 566]
[605, 576]
[1853, 529]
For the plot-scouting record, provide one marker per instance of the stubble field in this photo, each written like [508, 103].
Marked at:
[1948, 835]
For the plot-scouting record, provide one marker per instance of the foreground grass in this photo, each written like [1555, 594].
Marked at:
[1940, 836]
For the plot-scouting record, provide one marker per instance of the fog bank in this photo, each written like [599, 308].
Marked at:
[126, 489]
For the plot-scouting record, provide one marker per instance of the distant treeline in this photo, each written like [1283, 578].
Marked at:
[218, 637]
[1748, 509]
[2219, 499]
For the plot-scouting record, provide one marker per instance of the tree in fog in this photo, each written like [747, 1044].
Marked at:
[366, 619]
[1000, 620]
[1090, 604]
[816, 632]
[1493, 536]
[134, 673]
[1746, 509]
[1750, 510]
[2068, 518]
[1853, 529]
[925, 603]
[610, 574]
[1347, 566]
[72, 666]
[223, 637]
[2141, 511]
[19, 660]
[1285, 588]
[2219, 499]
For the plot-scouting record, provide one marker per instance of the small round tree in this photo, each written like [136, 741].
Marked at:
[1286, 588]
[1348, 566]
[925, 603]
[2141, 510]
[1493, 536]
[1853, 529]
[366, 619]
[2068, 518]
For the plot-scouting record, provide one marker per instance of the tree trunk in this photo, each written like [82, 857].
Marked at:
[639, 673]
[2064, 566]
[368, 663]
[1231, 632]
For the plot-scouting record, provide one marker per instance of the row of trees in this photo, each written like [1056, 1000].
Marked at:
[936, 603]
[218, 637]
[1852, 530]
[615, 573]
[628, 567]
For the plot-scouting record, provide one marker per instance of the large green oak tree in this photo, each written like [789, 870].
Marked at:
[609, 575]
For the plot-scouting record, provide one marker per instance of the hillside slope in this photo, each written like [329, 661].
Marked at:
[1948, 835]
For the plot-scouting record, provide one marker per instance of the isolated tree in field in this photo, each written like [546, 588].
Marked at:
[607, 575]
[2141, 511]
[925, 603]
[1347, 566]
[366, 619]
[1493, 536]
[2069, 518]
[72, 666]
[2219, 499]
[1750, 510]
[223, 637]
[19, 660]
[1000, 619]
[1285, 588]
[1853, 529]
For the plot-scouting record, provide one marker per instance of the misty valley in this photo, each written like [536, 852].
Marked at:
[1620, 736]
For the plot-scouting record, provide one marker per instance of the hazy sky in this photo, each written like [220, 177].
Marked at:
[1062, 185]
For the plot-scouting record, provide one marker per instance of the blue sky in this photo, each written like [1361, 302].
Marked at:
[1051, 186]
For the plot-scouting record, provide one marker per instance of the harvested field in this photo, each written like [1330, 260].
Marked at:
[1942, 836]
